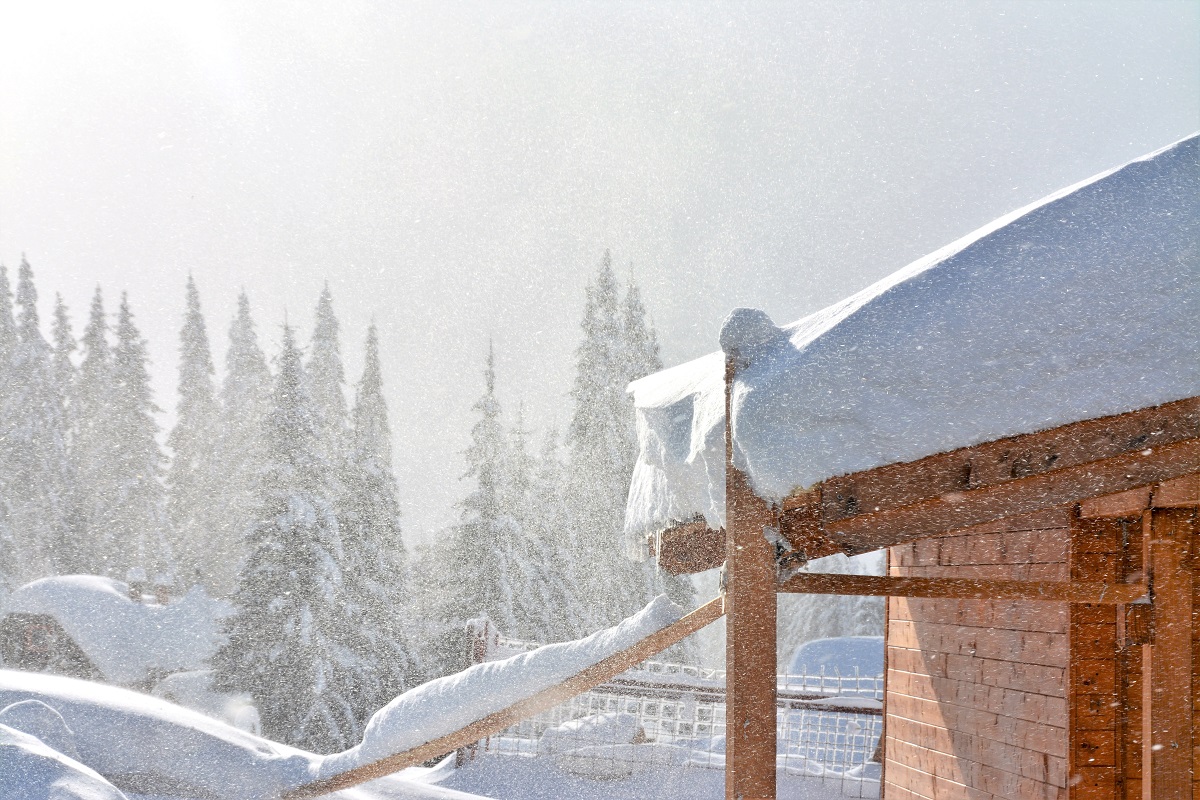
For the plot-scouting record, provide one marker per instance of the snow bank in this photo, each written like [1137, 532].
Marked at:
[126, 640]
[1076, 307]
[447, 704]
[31, 770]
[591, 731]
[150, 748]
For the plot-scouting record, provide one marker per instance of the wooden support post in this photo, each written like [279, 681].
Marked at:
[1095, 752]
[1167, 666]
[750, 603]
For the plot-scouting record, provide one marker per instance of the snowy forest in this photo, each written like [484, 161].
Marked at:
[274, 492]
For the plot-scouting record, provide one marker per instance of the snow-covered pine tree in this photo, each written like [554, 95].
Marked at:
[65, 378]
[194, 477]
[599, 461]
[375, 563]
[549, 534]
[33, 447]
[241, 446]
[287, 640]
[328, 379]
[136, 511]
[617, 346]
[8, 327]
[91, 442]
[9, 573]
[533, 565]
[476, 558]
[641, 359]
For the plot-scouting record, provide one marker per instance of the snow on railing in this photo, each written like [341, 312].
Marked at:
[662, 713]
[626, 725]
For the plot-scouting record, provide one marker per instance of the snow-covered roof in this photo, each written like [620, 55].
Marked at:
[126, 640]
[1079, 306]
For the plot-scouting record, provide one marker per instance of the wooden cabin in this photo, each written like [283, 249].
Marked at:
[1016, 420]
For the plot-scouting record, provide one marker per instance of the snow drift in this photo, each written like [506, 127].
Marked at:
[1079, 306]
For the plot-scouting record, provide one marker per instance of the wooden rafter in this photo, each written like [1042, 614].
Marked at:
[964, 588]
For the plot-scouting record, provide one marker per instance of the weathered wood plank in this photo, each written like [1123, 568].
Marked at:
[750, 607]
[962, 588]
[959, 509]
[689, 547]
[1014, 458]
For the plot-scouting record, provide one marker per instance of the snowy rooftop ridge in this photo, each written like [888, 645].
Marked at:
[1074, 307]
[128, 641]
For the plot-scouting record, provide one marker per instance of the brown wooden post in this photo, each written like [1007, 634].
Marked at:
[750, 604]
[1094, 754]
[1167, 662]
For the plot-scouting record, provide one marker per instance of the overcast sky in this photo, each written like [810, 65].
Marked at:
[456, 170]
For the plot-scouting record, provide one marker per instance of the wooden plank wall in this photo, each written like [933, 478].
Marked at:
[977, 690]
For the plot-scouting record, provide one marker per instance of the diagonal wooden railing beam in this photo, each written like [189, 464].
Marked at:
[963, 588]
[494, 723]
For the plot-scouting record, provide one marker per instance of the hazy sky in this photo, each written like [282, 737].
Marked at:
[456, 170]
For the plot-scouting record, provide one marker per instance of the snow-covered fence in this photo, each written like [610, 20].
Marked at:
[662, 714]
[627, 725]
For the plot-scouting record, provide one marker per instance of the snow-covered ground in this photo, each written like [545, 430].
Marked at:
[152, 750]
[1078, 306]
[123, 744]
[505, 777]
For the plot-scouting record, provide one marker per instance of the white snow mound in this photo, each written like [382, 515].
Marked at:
[1079, 306]
[31, 770]
[447, 704]
[126, 640]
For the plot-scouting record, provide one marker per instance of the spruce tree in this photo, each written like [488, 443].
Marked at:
[92, 444]
[328, 379]
[557, 607]
[33, 447]
[65, 380]
[618, 346]
[599, 464]
[9, 572]
[287, 641]
[193, 480]
[375, 558]
[477, 556]
[240, 445]
[136, 512]
[641, 358]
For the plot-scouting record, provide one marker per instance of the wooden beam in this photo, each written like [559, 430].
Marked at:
[1167, 679]
[1005, 460]
[963, 588]
[689, 547]
[960, 509]
[750, 605]
[494, 723]
[1180, 493]
[1122, 504]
